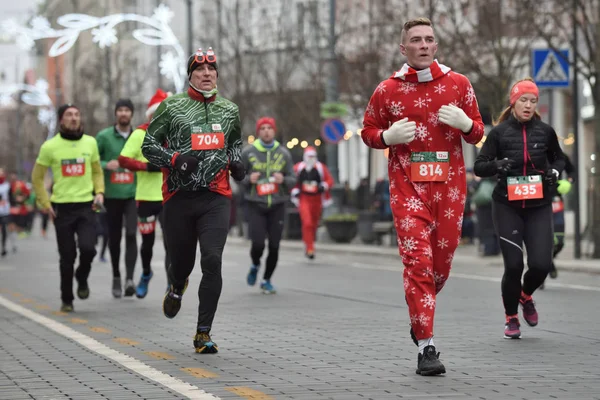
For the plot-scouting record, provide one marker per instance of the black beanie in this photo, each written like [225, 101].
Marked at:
[61, 110]
[124, 103]
[192, 64]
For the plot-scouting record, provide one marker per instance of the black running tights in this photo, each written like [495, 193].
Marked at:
[533, 227]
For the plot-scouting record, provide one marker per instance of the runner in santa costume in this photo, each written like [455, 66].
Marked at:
[311, 194]
[421, 113]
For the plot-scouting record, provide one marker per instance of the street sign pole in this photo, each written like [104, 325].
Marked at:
[577, 207]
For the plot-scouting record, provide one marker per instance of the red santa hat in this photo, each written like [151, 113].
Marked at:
[158, 97]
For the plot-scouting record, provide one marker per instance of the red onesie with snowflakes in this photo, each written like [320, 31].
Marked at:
[427, 177]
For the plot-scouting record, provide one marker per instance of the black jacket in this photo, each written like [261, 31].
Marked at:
[532, 146]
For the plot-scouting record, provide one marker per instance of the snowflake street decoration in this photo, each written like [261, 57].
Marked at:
[157, 33]
[34, 95]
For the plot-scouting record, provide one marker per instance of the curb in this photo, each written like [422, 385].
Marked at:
[581, 266]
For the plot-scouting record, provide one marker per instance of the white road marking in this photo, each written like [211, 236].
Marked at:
[176, 385]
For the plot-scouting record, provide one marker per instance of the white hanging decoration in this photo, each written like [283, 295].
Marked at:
[34, 95]
[157, 33]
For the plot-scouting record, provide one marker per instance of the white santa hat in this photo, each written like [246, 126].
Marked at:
[309, 152]
[154, 102]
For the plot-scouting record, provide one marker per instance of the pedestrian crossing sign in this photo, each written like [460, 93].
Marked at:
[550, 68]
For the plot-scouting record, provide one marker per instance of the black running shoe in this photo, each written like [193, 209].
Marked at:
[429, 363]
[553, 272]
[66, 307]
[204, 344]
[83, 290]
[172, 300]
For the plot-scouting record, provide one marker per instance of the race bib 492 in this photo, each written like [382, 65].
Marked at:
[73, 167]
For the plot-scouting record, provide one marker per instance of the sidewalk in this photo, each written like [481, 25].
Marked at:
[468, 253]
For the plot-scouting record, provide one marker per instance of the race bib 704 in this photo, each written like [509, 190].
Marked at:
[208, 141]
[429, 166]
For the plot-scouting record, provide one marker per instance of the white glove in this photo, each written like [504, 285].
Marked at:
[455, 117]
[295, 201]
[401, 132]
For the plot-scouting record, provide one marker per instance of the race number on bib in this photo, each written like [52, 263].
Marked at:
[265, 189]
[146, 227]
[310, 187]
[429, 166]
[73, 167]
[208, 141]
[525, 187]
[558, 205]
[122, 177]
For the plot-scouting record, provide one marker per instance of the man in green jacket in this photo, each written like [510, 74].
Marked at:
[119, 196]
[196, 136]
[270, 177]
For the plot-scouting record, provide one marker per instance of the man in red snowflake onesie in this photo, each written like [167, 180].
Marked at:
[420, 113]
[310, 195]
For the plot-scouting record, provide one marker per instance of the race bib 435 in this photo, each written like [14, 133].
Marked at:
[524, 187]
[429, 166]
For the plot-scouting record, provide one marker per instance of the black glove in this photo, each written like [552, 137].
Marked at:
[186, 164]
[152, 168]
[503, 166]
[238, 171]
[321, 187]
[550, 177]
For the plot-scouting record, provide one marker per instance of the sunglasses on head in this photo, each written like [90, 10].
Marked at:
[208, 57]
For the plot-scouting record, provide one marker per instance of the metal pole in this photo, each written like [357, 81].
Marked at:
[331, 93]
[575, 113]
[18, 137]
[189, 28]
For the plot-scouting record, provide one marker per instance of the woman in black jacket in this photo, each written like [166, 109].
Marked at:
[525, 155]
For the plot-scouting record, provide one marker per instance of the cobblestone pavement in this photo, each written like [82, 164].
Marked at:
[337, 329]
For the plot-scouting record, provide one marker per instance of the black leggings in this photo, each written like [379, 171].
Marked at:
[515, 226]
[148, 213]
[3, 225]
[74, 219]
[265, 222]
[45, 219]
[119, 212]
[191, 217]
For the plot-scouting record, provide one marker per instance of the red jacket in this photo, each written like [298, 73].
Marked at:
[326, 179]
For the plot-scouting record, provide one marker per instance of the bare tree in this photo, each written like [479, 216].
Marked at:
[487, 40]
[554, 23]
[270, 62]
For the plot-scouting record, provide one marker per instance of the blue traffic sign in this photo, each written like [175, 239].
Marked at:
[333, 130]
[550, 68]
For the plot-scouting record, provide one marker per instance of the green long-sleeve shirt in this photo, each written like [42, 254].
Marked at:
[208, 130]
[119, 184]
